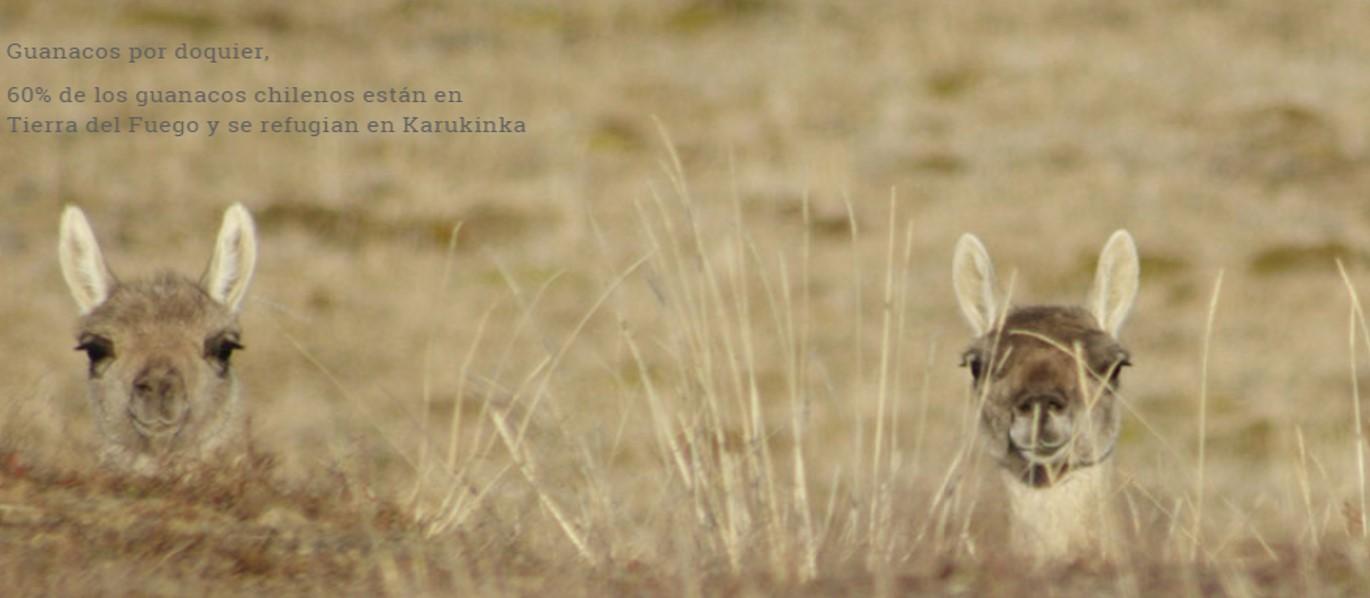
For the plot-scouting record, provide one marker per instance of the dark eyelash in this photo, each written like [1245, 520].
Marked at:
[220, 348]
[97, 348]
[973, 361]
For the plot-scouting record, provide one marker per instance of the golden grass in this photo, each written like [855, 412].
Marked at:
[696, 333]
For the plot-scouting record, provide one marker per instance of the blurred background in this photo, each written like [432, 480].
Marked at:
[777, 149]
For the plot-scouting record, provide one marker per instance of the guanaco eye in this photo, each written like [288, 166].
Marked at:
[976, 364]
[1118, 370]
[220, 348]
[97, 348]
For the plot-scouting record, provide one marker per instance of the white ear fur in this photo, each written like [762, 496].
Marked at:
[235, 256]
[972, 275]
[1115, 282]
[83, 266]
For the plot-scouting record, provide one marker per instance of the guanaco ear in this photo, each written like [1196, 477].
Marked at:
[83, 266]
[235, 256]
[1115, 282]
[972, 274]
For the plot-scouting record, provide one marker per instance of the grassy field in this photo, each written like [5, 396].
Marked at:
[695, 333]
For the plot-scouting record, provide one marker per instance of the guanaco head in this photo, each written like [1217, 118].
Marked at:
[160, 376]
[1047, 375]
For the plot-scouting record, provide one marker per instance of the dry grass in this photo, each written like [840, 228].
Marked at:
[687, 339]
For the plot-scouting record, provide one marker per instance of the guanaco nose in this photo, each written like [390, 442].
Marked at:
[159, 393]
[1042, 409]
